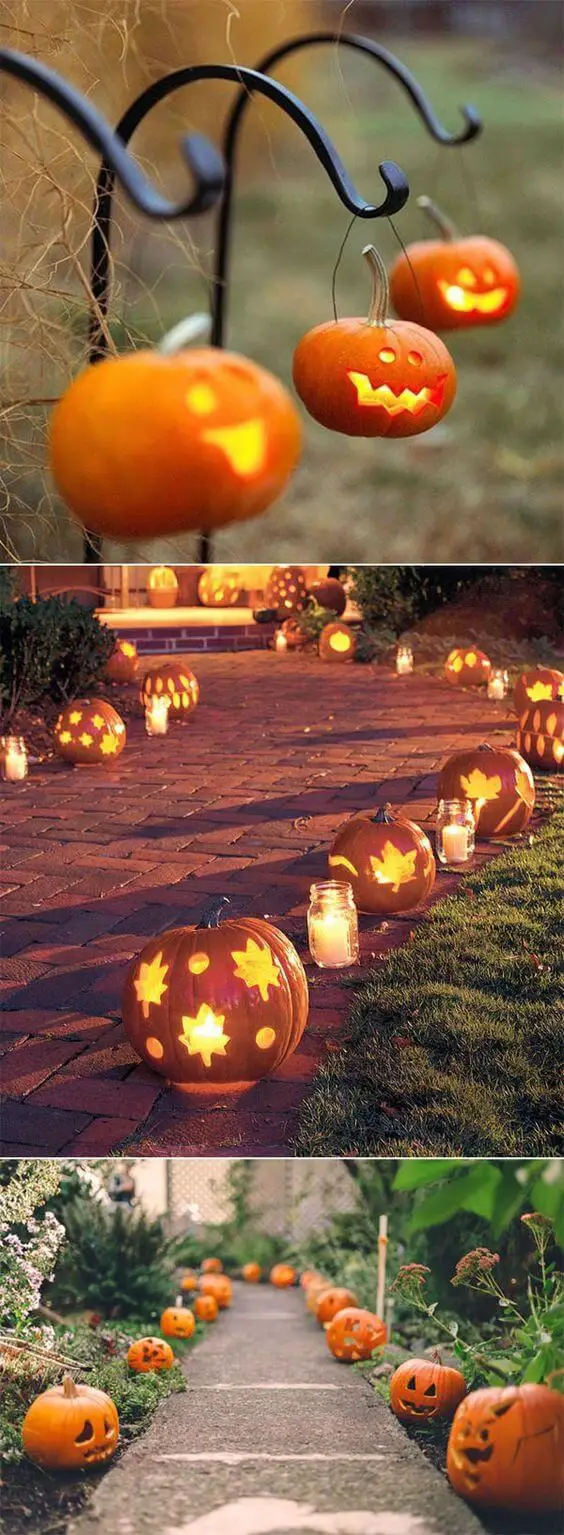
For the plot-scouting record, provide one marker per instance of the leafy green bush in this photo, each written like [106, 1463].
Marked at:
[49, 648]
[116, 1261]
[396, 596]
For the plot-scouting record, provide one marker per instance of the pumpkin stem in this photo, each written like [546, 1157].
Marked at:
[437, 1356]
[384, 816]
[380, 301]
[69, 1388]
[211, 917]
[485, 747]
[195, 327]
[444, 225]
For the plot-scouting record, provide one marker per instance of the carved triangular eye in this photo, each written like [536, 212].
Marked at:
[430, 1391]
[411, 1384]
[85, 1434]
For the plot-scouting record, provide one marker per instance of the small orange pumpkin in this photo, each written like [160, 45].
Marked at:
[422, 1388]
[149, 1354]
[70, 1426]
[387, 859]
[540, 737]
[282, 1276]
[123, 662]
[456, 281]
[219, 1286]
[506, 1449]
[378, 377]
[499, 784]
[310, 1276]
[162, 587]
[219, 588]
[252, 1273]
[89, 730]
[535, 685]
[212, 1266]
[329, 594]
[176, 682]
[337, 642]
[333, 1300]
[354, 1334]
[467, 668]
[189, 1282]
[295, 637]
[286, 590]
[206, 1308]
[177, 1322]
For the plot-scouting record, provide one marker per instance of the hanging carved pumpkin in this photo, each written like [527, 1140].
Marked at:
[388, 861]
[149, 1354]
[177, 682]
[162, 587]
[330, 1301]
[330, 594]
[146, 445]
[540, 737]
[286, 590]
[89, 730]
[190, 1282]
[216, 1006]
[123, 662]
[378, 377]
[70, 1426]
[422, 1388]
[218, 1286]
[219, 588]
[337, 643]
[467, 668]
[499, 784]
[506, 1449]
[535, 685]
[212, 1266]
[354, 1334]
[177, 1322]
[206, 1308]
[295, 637]
[456, 281]
[252, 1273]
[282, 1276]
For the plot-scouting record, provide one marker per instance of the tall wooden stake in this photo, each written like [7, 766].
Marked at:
[382, 1253]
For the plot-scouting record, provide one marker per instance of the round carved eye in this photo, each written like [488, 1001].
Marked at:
[489, 274]
[484, 1434]
[201, 398]
[466, 277]
[415, 358]
[387, 354]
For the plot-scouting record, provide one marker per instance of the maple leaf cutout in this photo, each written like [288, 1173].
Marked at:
[524, 787]
[538, 691]
[256, 966]
[478, 786]
[203, 1035]
[150, 983]
[394, 867]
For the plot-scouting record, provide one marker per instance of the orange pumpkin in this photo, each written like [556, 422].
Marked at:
[252, 1272]
[337, 642]
[146, 445]
[206, 1308]
[212, 1266]
[295, 637]
[149, 1354]
[189, 1282]
[219, 588]
[314, 1289]
[535, 685]
[455, 281]
[162, 587]
[422, 1388]
[70, 1427]
[378, 377]
[310, 1276]
[89, 730]
[499, 784]
[219, 1287]
[540, 737]
[123, 662]
[506, 1449]
[354, 1334]
[467, 668]
[213, 1006]
[177, 1322]
[177, 682]
[333, 1300]
[282, 1276]
[330, 594]
[387, 859]
[286, 590]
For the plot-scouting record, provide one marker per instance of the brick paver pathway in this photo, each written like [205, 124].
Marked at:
[244, 800]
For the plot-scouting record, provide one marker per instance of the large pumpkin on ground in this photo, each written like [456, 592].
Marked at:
[422, 1388]
[177, 1322]
[146, 445]
[378, 377]
[70, 1427]
[286, 590]
[219, 588]
[506, 1449]
[456, 281]
[176, 682]
[499, 784]
[206, 1308]
[333, 1300]
[162, 587]
[535, 685]
[330, 594]
[467, 668]
[123, 662]
[388, 861]
[354, 1334]
[282, 1276]
[89, 730]
[148, 1354]
[215, 1006]
[337, 642]
[540, 737]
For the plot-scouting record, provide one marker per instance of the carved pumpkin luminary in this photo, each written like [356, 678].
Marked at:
[467, 668]
[252, 1273]
[499, 784]
[219, 1286]
[123, 662]
[330, 594]
[206, 1308]
[456, 281]
[162, 587]
[148, 1354]
[172, 680]
[215, 1006]
[540, 737]
[70, 1427]
[286, 590]
[282, 1276]
[378, 377]
[146, 445]
[219, 588]
[337, 642]
[388, 860]
[536, 685]
[212, 1266]
[295, 637]
[422, 1388]
[177, 1322]
[506, 1449]
[89, 730]
[354, 1334]
[330, 1301]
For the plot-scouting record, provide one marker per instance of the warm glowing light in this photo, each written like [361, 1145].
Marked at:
[201, 399]
[86, 739]
[244, 446]
[470, 658]
[336, 860]
[393, 867]
[408, 399]
[256, 966]
[472, 303]
[478, 786]
[75, 717]
[387, 355]
[265, 1038]
[197, 963]
[203, 1035]
[65, 736]
[538, 691]
[153, 1047]
[150, 983]
[108, 745]
[127, 649]
[525, 784]
[98, 721]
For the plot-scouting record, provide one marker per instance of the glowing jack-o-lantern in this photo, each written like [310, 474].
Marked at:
[389, 861]
[454, 282]
[354, 1334]
[172, 680]
[162, 587]
[146, 445]
[212, 1266]
[506, 1449]
[282, 1276]
[421, 1389]
[329, 594]
[148, 1354]
[219, 1286]
[378, 377]
[70, 1427]
[499, 784]
[251, 1272]
[123, 662]
[540, 737]
[333, 1300]
[219, 588]
[177, 1322]
[467, 668]
[206, 1308]
[216, 1006]
[286, 590]
[337, 643]
[89, 730]
[536, 685]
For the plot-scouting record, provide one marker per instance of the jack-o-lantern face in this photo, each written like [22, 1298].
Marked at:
[214, 1007]
[148, 1354]
[212, 1266]
[454, 283]
[146, 444]
[206, 1308]
[354, 1334]
[337, 643]
[123, 662]
[69, 1427]
[421, 1389]
[540, 737]
[537, 685]
[162, 587]
[89, 730]
[219, 588]
[467, 668]
[388, 861]
[506, 1449]
[286, 590]
[219, 1286]
[177, 1322]
[378, 377]
[333, 1300]
[252, 1273]
[499, 784]
[329, 594]
[282, 1276]
[172, 680]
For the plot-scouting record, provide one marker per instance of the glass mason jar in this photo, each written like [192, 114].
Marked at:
[498, 683]
[404, 659]
[156, 716]
[332, 925]
[13, 758]
[455, 831]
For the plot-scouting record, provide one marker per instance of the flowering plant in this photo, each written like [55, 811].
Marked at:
[29, 1241]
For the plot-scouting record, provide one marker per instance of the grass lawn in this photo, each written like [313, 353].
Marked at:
[455, 1042]
[487, 485]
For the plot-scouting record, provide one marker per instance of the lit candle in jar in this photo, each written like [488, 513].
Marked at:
[330, 939]
[404, 660]
[497, 684]
[156, 716]
[332, 922]
[455, 844]
[280, 642]
[14, 759]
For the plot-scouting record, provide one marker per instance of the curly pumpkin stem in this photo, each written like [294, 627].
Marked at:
[69, 1388]
[380, 301]
[212, 915]
[384, 816]
[444, 225]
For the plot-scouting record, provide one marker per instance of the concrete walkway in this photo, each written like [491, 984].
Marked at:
[273, 1435]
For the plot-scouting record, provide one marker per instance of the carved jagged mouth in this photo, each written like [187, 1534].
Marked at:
[419, 1412]
[464, 302]
[413, 401]
[244, 446]
[476, 1457]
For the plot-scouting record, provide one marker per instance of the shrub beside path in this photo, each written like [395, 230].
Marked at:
[273, 1435]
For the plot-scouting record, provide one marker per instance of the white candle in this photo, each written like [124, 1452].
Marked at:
[156, 717]
[281, 642]
[15, 762]
[330, 938]
[496, 687]
[455, 844]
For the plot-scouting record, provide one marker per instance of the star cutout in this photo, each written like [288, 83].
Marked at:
[99, 721]
[150, 983]
[65, 736]
[256, 966]
[75, 717]
[203, 1034]
[85, 739]
[108, 744]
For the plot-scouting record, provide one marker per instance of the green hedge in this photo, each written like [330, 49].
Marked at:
[48, 649]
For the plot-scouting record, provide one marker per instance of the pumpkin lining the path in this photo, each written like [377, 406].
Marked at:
[467, 667]
[70, 1426]
[506, 1449]
[89, 730]
[175, 681]
[499, 784]
[354, 1333]
[337, 642]
[421, 1389]
[535, 685]
[388, 860]
[147, 1354]
[177, 1322]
